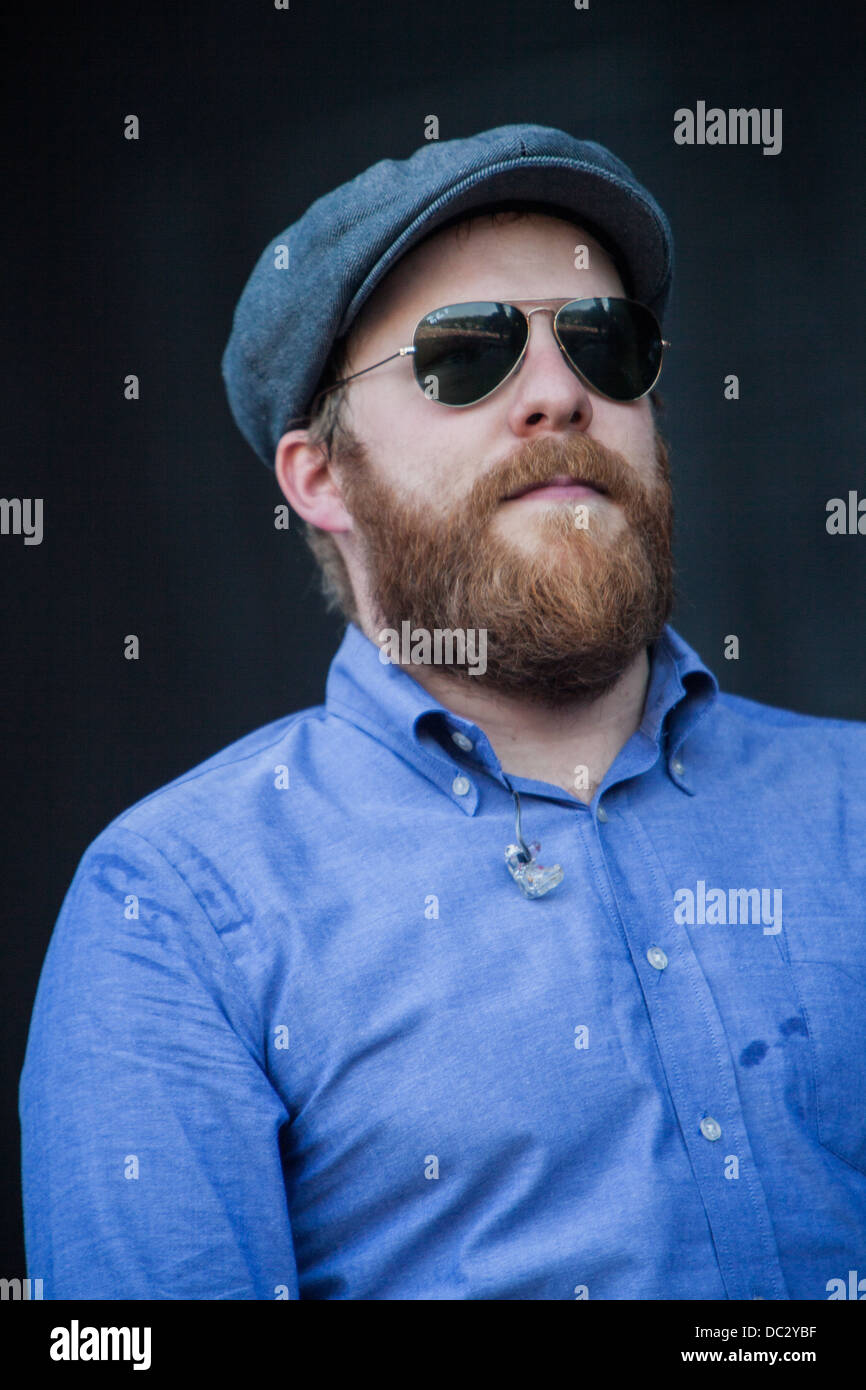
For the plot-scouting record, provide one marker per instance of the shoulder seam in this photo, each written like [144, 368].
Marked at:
[261, 1061]
[202, 770]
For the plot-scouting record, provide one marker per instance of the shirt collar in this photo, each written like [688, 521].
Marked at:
[680, 693]
[389, 704]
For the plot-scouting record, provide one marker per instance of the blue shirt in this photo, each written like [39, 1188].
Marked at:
[299, 1033]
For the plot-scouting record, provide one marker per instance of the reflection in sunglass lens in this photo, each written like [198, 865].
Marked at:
[464, 351]
[614, 343]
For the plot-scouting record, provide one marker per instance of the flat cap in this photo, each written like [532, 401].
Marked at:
[310, 281]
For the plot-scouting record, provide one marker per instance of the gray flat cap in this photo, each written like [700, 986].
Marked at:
[300, 299]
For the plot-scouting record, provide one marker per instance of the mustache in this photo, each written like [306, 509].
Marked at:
[540, 460]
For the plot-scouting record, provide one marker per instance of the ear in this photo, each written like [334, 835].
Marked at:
[306, 479]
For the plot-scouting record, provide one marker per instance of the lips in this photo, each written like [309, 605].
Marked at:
[562, 485]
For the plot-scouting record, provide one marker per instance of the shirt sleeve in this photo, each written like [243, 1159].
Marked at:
[151, 1134]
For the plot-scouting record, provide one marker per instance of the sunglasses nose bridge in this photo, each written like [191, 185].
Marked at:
[554, 313]
[539, 310]
[528, 316]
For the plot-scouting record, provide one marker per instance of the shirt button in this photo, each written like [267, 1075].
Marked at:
[602, 814]
[657, 958]
[678, 767]
[462, 741]
[710, 1128]
[461, 785]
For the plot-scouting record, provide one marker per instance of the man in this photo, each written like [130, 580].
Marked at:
[529, 965]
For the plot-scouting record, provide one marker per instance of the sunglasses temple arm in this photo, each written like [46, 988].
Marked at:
[403, 352]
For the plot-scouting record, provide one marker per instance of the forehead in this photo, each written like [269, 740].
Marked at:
[507, 255]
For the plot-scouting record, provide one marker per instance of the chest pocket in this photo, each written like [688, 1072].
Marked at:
[827, 959]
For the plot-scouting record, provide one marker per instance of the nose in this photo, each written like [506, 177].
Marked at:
[546, 396]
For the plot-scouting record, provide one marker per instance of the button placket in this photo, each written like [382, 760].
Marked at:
[707, 1072]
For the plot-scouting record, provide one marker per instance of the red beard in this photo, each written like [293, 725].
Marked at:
[565, 619]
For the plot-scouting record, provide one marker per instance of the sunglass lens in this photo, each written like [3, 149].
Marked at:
[464, 351]
[614, 343]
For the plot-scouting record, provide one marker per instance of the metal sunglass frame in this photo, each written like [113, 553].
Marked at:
[511, 304]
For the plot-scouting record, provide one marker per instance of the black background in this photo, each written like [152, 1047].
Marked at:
[128, 257]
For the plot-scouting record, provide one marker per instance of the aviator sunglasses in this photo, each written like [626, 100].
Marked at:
[461, 353]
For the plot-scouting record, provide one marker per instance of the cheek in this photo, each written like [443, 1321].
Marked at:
[419, 447]
[388, 407]
[629, 429]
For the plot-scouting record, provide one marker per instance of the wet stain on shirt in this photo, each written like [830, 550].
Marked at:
[754, 1053]
[791, 1026]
